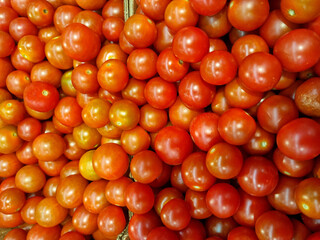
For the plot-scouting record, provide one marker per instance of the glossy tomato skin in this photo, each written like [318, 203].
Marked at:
[68, 112]
[190, 44]
[278, 224]
[297, 50]
[80, 42]
[302, 132]
[256, 184]
[173, 145]
[139, 198]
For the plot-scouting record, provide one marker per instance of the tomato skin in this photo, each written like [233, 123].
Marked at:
[9, 165]
[253, 14]
[31, 48]
[195, 92]
[68, 112]
[159, 233]
[9, 139]
[302, 132]
[7, 44]
[41, 96]
[139, 198]
[190, 44]
[218, 67]
[173, 145]
[278, 224]
[236, 126]
[288, 49]
[256, 184]
[80, 42]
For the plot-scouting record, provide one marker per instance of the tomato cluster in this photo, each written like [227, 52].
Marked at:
[191, 120]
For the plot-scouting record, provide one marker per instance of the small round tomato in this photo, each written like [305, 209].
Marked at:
[208, 8]
[84, 221]
[31, 48]
[9, 165]
[162, 233]
[107, 219]
[298, 50]
[140, 31]
[298, 139]
[95, 113]
[175, 214]
[80, 42]
[236, 126]
[11, 200]
[190, 44]
[12, 111]
[164, 37]
[40, 96]
[84, 78]
[223, 200]
[40, 13]
[16, 233]
[9, 139]
[30, 178]
[139, 198]
[68, 112]
[152, 119]
[46, 72]
[7, 44]
[86, 166]
[135, 140]
[260, 72]
[218, 67]
[115, 191]
[86, 137]
[258, 176]
[173, 145]
[253, 14]
[110, 161]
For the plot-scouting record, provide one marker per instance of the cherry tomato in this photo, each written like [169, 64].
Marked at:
[84, 221]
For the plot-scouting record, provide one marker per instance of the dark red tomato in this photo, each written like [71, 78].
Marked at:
[300, 11]
[261, 143]
[142, 63]
[110, 161]
[223, 200]
[164, 177]
[260, 72]
[40, 13]
[9, 165]
[298, 139]
[224, 161]
[68, 112]
[197, 204]
[219, 227]
[207, 8]
[11, 200]
[314, 236]
[298, 50]
[164, 37]
[204, 130]
[275, 26]
[112, 27]
[42, 233]
[291, 167]
[140, 31]
[306, 197]
[145, 166]
[248, 15]
[159, 93]
[164, 196]
[154, 8]
[239, 233]
[309, 89]
[218, 67]
[190, 44]
[41, 96]
[113, 75]
[171, 68]
[162, 233]
[72, 236]
[113, 8]
[313, 224]
[283, 196]
[139, 198]
[56, 55]
[195, 173]
[300, 231]
[7, 44]
[125, 46]
[84, 221]
[49, 212]
[175, 214]
[115, 191]
[195, 92]
[276, 111]
[173, 145]
[141, 224]
[258, 176]
[236, 126]
[194, 231]
[70, 191]
[16, 234]
[239, 96]
[80, 42]
[248, 44]
[274, 225]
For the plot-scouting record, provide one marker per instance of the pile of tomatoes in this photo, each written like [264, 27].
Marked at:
[191, 120]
